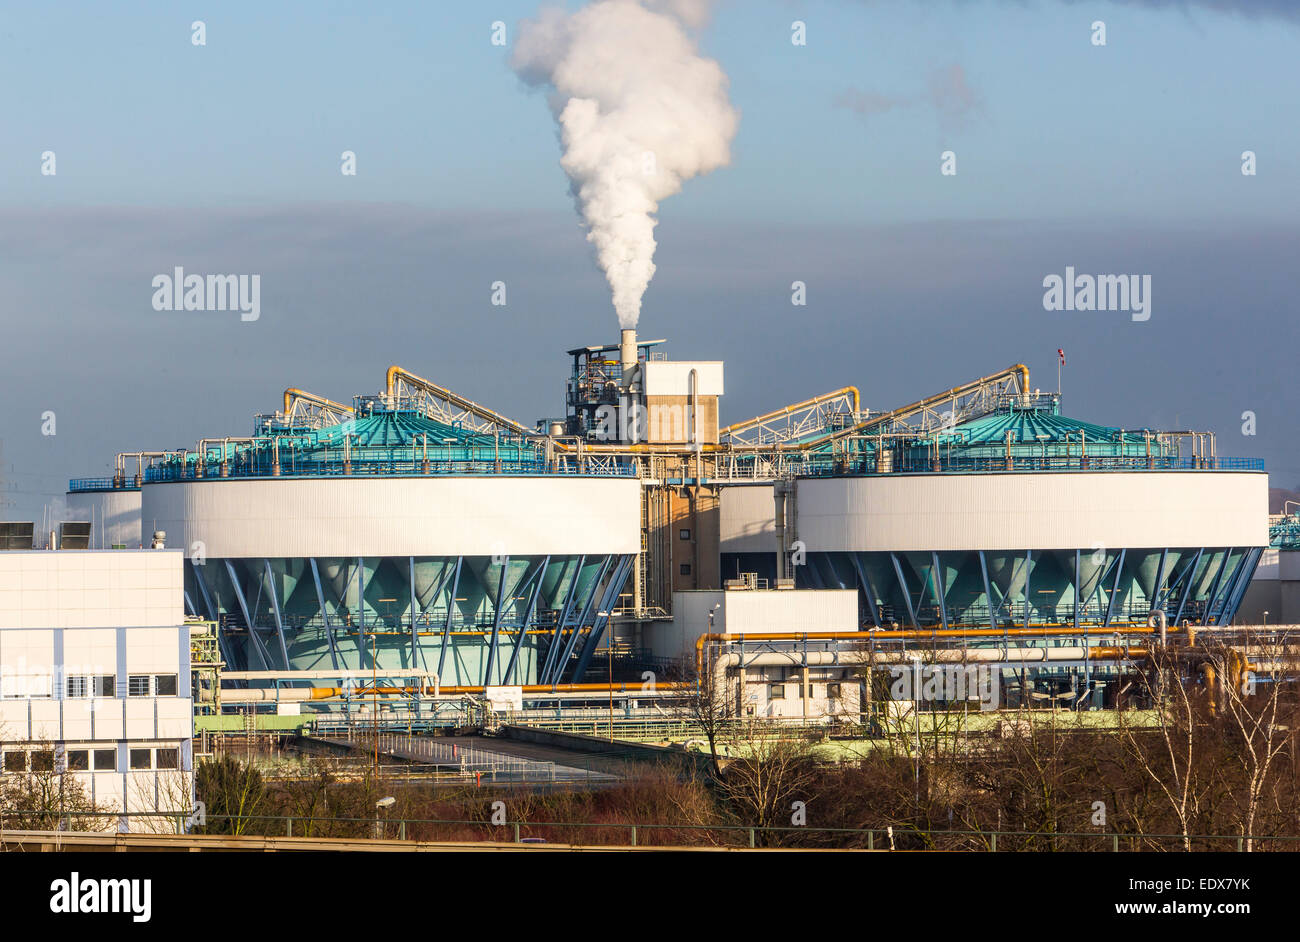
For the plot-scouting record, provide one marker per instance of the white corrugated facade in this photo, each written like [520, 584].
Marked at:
[114, 517]
[483, 515]
[1006, 511]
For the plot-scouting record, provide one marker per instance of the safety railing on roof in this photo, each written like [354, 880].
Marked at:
[365, 467]
[828, 466]
[101, 484]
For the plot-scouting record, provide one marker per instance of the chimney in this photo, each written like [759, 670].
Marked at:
[627, 354]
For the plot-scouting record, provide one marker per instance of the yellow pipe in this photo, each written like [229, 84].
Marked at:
[293, 393]
[1016, 369]
[778, 413]
[483, 412]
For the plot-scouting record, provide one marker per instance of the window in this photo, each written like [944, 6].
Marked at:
[78, 760]
[26, 686]
[43, 760]
[105, 760]
[105, 686]
[833, 691]
[684, 534]
[778, 692]
[137, 685]
[686, 569]
[15, 762]
[78, 687]
[165, 685]
[142, 758]
[169, 759]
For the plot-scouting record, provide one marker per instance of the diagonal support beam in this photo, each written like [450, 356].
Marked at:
[866, 588]
[609, 597]
[275, 610]
[255, 643]
[1114, 589]
[325, 616]
[1191, 583]
[557, 670]
[907, 596]
[557, 642]
[451, 610]
[537, 582]
[496, 619]
[939, 592]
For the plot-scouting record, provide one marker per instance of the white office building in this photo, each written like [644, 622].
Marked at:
[95, 678]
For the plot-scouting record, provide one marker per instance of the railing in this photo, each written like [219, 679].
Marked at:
[102, 484]
[361, 467]
[827, 466]
[627, 834]
[466, 760]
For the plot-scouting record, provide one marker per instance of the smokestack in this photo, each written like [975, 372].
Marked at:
[627, 354]
[640, 111]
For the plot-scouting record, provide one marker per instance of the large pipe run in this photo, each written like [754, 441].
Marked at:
[300, 694]
[904, 634]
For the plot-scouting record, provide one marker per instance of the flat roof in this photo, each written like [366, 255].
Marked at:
[611, 347]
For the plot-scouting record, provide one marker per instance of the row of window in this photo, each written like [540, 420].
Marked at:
[777, 691]
[81, 686]
[92, 760]
[137, 685]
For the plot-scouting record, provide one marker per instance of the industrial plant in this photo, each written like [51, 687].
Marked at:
[415, 559]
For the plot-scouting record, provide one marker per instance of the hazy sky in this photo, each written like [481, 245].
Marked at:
[225, 158]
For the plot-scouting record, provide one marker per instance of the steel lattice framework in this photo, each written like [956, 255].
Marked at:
[443, 405]
[839, 408]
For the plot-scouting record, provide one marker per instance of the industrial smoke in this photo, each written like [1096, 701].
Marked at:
[639, 110]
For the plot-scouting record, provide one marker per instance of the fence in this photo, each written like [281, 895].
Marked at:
[622, 834]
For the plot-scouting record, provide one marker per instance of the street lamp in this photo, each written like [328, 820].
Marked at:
[916, 715]
[385, 804]
[700, 680]
[609, 650]
[1265, 618]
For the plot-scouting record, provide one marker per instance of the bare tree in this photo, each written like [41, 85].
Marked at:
[43, 798]
[1250, 704]
[1169, 753]
[769, 771]
[713, 706]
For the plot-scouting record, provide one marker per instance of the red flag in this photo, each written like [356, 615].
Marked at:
[1061, 353]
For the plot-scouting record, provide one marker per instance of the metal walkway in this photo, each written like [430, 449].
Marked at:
[469, 760]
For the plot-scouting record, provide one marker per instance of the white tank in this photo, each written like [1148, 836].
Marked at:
[439, 515]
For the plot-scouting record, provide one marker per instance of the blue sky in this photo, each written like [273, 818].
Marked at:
[1121, 158]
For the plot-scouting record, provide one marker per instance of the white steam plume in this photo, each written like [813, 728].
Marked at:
[639, 110]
